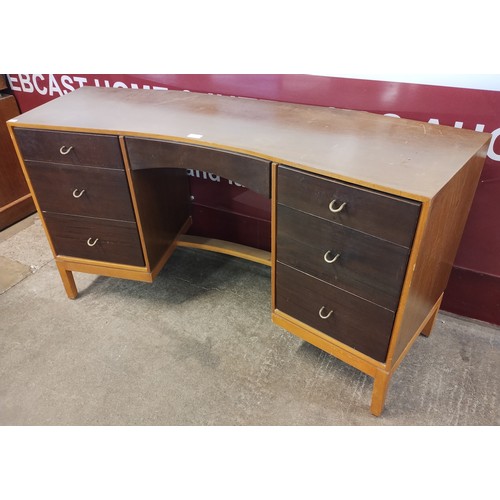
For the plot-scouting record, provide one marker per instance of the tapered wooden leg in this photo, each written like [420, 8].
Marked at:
[380, 386]
[68, 281]
[426, 331]
[428, 326]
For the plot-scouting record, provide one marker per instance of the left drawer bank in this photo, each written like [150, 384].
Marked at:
[102, 214]
[82, 190]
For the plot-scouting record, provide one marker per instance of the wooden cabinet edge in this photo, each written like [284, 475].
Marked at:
[274, 230]
[437, 239]
[16, 210]
[407, 282]
[16, 202]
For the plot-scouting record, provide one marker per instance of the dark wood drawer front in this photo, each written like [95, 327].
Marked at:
[254, 173]
[362, 264]
[385, 216]
[351, 320]
[95, 239]
[89, 191]
[91, 150]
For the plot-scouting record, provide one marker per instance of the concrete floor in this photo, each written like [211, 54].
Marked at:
[198, 347]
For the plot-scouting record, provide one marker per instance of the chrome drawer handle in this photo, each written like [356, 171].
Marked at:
[93, 243]
[330, 261]
[77, 194]
[65, 149]
[324, 316]
[336, 210]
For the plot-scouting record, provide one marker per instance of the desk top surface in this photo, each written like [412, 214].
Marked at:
[395, 155]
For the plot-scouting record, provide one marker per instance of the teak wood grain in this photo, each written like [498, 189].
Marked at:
[226, 247]
[162, 199]
[163, 206]
[435, 251]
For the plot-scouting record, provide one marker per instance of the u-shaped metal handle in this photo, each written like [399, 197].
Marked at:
[91, 244]
[77, 194]
[336, 210]
[65, 149]
[329, 260]
[322, 315]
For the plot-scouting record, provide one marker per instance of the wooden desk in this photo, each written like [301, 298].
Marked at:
[367, 210]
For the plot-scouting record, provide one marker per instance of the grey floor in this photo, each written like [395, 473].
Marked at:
[198, 347]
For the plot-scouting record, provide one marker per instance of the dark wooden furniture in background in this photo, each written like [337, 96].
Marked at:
[367, 210]
[15, 197]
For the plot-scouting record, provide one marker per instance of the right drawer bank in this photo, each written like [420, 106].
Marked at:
[341, 257]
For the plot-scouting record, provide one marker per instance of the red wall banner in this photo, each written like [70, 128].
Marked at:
[223, 209]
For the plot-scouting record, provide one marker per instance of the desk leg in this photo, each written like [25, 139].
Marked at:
[426, 331]
[380, 386]
[68, 281]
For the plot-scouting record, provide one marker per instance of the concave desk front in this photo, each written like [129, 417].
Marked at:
[367, 210]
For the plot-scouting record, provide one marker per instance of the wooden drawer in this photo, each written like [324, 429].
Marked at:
[349, 319]
[93, 192]
[362, 264]
[91, 150]
[385, 216]
[254, 173]
[95, 239]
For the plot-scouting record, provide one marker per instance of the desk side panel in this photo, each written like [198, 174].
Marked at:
[162, 201]
[444, 225]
